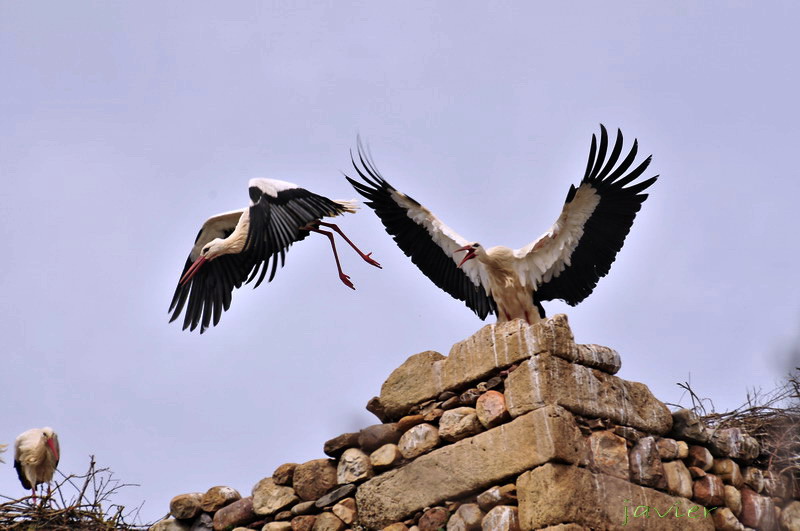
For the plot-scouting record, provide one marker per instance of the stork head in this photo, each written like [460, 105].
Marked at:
[211, 250]
[473, 250]
[50, 439]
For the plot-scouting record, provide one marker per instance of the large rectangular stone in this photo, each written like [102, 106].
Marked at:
[555, 493]
[470, 465]
[546, 379]
[424, 376]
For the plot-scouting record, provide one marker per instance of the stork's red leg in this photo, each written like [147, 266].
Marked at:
[366, 257]
[342, 276]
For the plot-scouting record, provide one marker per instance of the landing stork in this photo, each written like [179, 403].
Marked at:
[235, 247]
[564, 263]
[36, 455]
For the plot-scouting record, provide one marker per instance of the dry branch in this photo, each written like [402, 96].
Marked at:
[773, 418]
[75, 502]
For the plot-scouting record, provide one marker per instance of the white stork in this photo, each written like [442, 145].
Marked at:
[232, 247]
[564, 263]
[36, 455]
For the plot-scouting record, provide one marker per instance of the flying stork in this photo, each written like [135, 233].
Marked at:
[36, 454]
[564, 263]
[235, 247]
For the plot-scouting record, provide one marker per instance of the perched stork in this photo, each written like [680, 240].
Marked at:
[36, 454]
[233, 246]
[564, 263]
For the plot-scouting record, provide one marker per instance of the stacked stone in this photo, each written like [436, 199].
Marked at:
[519, 428]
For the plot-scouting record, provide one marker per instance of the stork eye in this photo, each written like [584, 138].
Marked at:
[475, 245]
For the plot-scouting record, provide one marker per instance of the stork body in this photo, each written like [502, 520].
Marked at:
[234, 247]
[36, 455]
[564, 263]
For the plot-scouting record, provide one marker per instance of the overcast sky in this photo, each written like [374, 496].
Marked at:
[123, 126]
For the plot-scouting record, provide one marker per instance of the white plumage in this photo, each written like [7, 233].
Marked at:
[234, 247]
[36, 455]
[564, 263]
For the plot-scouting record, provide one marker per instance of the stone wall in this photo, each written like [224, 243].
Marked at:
[518, 428]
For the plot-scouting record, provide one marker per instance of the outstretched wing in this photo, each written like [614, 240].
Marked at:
[567, 261]
[279, 211]
[209, 291]
[424, 238]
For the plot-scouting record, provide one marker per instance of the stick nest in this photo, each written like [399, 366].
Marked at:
[76, 502]
[773, 418]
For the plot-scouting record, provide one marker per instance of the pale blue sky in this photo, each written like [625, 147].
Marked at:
[125, 125]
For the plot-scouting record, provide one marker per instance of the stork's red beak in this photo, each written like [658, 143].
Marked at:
[470, 253]
[51, 443]
[192, 271]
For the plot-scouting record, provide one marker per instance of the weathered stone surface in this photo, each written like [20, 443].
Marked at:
[397, 526]
[269, 498]
[687, 425]
[609, 454]
[646, 467]
[284, 473]
[728, 471]
[545, 379]
[491, 409]
[458, 423]
[335, 495]
[683, 450]
[469, 465]
[418, 440]
[327, 522]
[354, 465]
[238, 513]
[385, 457]
[679, 481]
[697, 472]
[373, 437]
[733, 499]
[724, 520]
[468, 517]
[497, 495]
[700, 457]
[303, 523]
[336, 446]
[754, 478]
[630, 434]
[306, 507]
[204, 522]
[733, 442]
[375, 407]
[408, 422]
[346, 510]
[790, 517]
[277, 526]
[314, 478]
[709, 491]
[501, 518]
[433, 519]
[170, 524]
[757, 511]
[667, 449]
[554, 493]
[469, 397]
[416, 380]
[218, 497]
[426, 375]
[185, 506]
[778, 486]
[451, 402]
